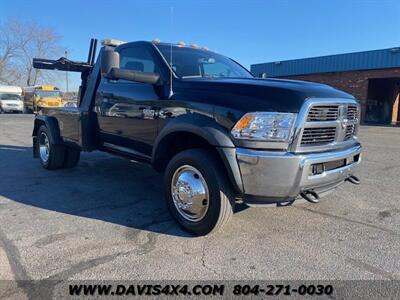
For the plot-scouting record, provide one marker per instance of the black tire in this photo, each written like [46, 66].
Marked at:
[55, 154]
[221, 196]
[71, 157]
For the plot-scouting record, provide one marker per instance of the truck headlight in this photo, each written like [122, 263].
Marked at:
[265, 126]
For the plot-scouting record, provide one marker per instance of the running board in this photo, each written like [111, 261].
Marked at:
[127, 152]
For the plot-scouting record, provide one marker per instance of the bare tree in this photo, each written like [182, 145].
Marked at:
[9, 52]
[19, 44]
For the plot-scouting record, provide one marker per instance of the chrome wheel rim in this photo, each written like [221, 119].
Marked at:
[190, 193]
[44, 147]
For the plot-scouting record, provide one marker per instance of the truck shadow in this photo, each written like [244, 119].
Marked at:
[101, 187]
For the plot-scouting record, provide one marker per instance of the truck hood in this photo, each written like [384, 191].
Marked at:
[254, 94]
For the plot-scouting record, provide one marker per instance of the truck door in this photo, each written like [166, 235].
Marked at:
[126, 110]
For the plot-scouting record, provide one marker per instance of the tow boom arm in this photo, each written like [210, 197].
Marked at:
[64, 64]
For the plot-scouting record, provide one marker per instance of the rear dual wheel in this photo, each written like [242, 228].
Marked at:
[71, 157]
[54, 156]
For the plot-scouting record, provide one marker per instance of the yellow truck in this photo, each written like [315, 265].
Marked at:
[37, 97]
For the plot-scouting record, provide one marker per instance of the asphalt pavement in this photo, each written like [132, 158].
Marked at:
[106, 219]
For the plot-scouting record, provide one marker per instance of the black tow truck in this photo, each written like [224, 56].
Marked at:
[219, 134]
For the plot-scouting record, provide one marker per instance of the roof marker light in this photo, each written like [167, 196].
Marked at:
[112, 42]
[156, 41]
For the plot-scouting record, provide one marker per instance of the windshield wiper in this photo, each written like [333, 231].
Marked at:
[192, 76]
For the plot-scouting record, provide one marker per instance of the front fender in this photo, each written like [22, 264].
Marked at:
[200, 125]
[209, 130]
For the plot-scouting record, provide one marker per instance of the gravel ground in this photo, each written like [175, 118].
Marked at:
[106, 219]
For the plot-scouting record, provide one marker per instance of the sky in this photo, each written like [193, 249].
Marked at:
[248, 31]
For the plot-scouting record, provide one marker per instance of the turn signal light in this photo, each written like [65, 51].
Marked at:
[244, 122]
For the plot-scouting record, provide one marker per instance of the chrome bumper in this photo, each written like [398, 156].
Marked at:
[271, 177]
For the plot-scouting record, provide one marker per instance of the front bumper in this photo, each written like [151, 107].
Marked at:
[46, 105]
[274, 177]
[8, 108]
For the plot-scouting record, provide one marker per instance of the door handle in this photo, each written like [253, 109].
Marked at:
[107, 95]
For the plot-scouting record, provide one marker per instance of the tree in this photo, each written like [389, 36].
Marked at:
[19, 43]
[9, 52]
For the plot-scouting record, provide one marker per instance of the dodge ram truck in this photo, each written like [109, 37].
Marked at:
[219, 135]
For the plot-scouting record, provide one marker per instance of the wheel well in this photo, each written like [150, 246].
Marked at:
[52, 125]
[179, 141]
[176, 142]
[36, 126]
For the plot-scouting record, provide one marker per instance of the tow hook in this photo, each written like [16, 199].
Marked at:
[353, 179]
[282, 204]
[314, 196]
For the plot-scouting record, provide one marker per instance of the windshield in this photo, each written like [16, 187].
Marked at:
[47, 94]
[9, 97]
[191, 62]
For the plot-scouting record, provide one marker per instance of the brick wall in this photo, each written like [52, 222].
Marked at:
[353, 82]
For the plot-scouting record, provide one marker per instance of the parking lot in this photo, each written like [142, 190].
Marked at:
[106, 219]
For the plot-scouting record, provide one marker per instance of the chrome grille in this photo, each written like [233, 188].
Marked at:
[350, 130]
[318, 136]
[352, 112]
[326, 125]
[323, 113]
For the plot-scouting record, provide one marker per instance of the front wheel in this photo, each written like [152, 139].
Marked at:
[197, 191]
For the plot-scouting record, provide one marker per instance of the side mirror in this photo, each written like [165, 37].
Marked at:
[109, 60]
[144, 77]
